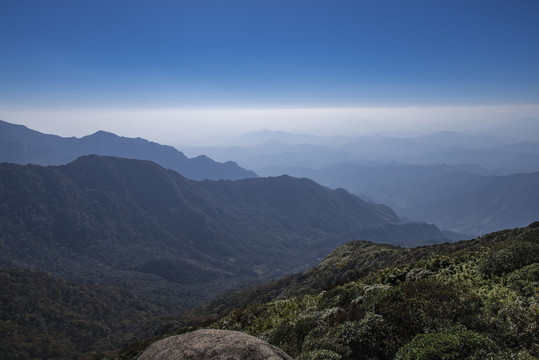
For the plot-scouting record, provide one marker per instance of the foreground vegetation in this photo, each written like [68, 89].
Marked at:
[473, 300]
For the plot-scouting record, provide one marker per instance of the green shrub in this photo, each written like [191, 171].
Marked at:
[434, 304]
[324, 337]
[453, 343]
[392, 275]
[521, 320]
[340, 295]
[363, 339]
[322, 354]
[512, 257]
[290, 334]
[525, 281]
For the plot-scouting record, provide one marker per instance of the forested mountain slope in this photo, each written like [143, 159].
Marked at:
[131, 223]
[475, 299]
[48, 318]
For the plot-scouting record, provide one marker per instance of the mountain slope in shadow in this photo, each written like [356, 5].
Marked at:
[134, 224]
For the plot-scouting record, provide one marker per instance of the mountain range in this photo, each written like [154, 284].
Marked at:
[132, 223]
[20, 145]
[285, 150]
[430, 178]
[456, 197]
[464, 183]
[102, 250]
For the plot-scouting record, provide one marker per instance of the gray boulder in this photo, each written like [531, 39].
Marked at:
[213, 344]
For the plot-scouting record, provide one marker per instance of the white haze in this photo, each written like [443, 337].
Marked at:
[180, 126]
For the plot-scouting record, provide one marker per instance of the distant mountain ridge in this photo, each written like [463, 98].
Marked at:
[472, 184]
[457, 197]
[499, 156]
[134, 224]
[21, 145]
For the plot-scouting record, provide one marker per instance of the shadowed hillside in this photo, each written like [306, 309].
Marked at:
[131, 223]
[464, 183]
[44, 317]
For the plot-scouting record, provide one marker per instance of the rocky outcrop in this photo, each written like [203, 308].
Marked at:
[215, 345]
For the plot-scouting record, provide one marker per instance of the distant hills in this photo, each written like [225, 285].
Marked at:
[456, 197]
[429, 178]
[98, 250]
[464, 183]
[498, 156]
[132, 223]
[21, 145]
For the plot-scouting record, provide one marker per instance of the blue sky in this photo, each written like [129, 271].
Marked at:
[257, 54]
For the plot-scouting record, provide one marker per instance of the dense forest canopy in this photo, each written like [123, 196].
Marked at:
[476, 299]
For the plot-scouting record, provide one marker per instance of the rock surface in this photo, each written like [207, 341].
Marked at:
[213, 344]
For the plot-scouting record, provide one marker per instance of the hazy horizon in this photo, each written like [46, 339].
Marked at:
[190, 72]
[220, 126]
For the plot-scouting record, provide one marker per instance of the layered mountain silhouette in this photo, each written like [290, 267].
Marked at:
[464, 183]
[458, 197]
[21, 145]
[134, 224]
[268, 152]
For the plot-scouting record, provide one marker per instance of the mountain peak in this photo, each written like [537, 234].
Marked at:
[26, 146]
[103, 133]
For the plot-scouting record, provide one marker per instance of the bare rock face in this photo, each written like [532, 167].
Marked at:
[213, 344]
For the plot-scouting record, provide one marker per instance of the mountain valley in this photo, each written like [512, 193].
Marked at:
[106, 253]
[269, 180]
[468, 184]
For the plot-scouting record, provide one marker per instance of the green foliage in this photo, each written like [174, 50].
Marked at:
[319, 355]
[340, 295]
[371, 262]
[361, 339]
[452, 343]
[43, 317]
[509, 258]
[451, 301]
[290, 334]
[520, 323]
[525, 281]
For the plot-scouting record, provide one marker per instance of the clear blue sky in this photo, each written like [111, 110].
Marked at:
[267, 53]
